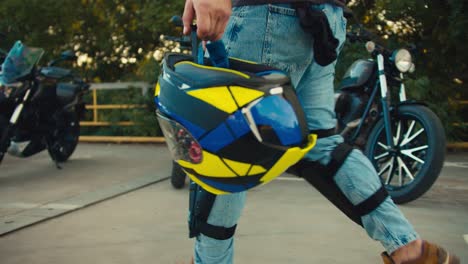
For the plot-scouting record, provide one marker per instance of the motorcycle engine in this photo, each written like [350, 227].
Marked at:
[16, 148]
[348, 109]
[26, 148]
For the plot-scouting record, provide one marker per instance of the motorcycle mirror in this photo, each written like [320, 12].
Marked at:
[68, 55]
[370, 46]
[177, 21]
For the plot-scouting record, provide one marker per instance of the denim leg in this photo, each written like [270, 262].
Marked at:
[225, 212]
[271, 34]
[357, 177]
[387, 224]
[227, 208]
[358, 180]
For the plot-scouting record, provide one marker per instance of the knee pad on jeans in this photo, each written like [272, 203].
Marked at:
[200, 205]
[322, 178]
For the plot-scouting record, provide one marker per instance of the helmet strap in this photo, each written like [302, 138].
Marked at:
[216, 50]
[195, 43]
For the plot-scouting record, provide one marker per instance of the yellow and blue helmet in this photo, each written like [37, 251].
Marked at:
[230, 129]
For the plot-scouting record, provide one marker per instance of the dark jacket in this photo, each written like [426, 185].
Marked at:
[261, 2]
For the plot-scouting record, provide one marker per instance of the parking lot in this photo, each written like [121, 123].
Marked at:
[113, 204]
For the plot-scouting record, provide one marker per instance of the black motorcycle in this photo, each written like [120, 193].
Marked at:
[403, 138]
[40, 107]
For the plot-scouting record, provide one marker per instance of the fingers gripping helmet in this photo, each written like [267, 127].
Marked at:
[230, 129]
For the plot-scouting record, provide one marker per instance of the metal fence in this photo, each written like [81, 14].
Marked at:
[95, 107]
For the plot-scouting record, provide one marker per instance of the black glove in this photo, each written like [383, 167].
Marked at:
[316, 23]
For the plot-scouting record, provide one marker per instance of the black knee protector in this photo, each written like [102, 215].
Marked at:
[322, 178]
[200, 204]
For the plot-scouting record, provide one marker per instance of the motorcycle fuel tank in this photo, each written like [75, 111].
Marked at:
[66, 92]
[358, 74]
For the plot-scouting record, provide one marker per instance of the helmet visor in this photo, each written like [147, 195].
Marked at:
[273, 121]
[182, 145]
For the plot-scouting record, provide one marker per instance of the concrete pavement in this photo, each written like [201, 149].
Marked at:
[33, 189]
[285, 221]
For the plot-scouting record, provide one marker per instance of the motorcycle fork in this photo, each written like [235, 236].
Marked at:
[385, 98]
[5, 137]
[402, 93]
[4, 141]
[19, 108]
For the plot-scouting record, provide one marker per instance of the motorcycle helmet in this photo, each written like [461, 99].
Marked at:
[230, 129]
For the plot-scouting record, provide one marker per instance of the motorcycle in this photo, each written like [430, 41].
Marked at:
[403, 138]
[40, 107]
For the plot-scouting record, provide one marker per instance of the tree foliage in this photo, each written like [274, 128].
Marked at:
[113, 38]
[118, 40]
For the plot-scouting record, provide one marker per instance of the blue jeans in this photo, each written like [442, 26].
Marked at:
[271, 34]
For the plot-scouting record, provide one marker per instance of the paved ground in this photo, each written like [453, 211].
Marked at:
[285, 221]
[33, 189]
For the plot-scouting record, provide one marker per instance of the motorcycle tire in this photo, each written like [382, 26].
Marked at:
[65, 141]
[4, 140]
[414, 165]
[177, 176]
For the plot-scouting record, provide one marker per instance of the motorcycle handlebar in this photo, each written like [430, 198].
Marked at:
[360, 35]
[184, 41]
[364, 36]
[176, 21]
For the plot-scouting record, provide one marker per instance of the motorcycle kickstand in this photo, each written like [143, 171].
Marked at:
[57, 164]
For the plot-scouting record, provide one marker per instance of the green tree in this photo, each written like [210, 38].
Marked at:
[118, 40]
[114, 38]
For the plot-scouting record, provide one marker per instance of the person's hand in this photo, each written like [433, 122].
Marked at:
[212, 17]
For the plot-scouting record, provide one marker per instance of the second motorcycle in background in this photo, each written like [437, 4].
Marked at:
[40, 107]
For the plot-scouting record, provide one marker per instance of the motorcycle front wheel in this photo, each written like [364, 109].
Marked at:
[409, 169]
[65, 140]
[4, 140]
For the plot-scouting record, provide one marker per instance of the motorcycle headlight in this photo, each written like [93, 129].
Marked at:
[403, 60]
